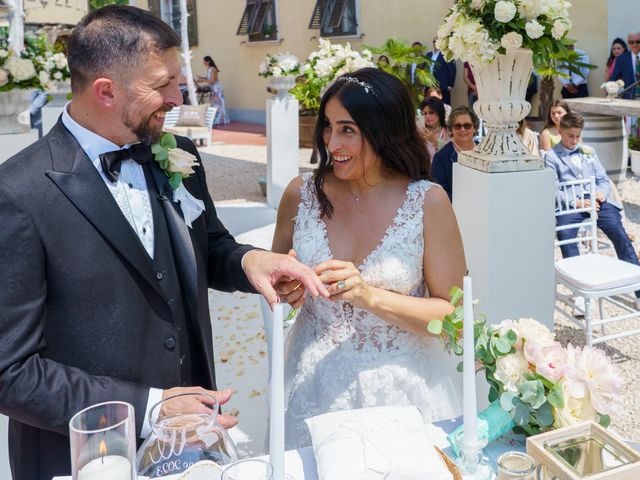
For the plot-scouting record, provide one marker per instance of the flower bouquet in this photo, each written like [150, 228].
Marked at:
[477, 30]
[322, 67]
[613, 88]
[279, 65]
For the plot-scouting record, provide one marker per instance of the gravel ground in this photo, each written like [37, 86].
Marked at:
[233, 173]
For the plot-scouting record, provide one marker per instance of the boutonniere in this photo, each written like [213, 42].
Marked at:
[176, 163]
[586, 151]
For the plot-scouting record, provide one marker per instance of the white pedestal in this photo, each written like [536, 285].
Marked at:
[5, 470]
[507, 224]
[50, 117]
[12, 143]
[282, 146]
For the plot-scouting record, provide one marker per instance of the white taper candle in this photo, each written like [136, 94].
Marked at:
[469, 368]
[276, 426]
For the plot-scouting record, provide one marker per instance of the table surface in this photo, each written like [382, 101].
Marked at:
[605, 106]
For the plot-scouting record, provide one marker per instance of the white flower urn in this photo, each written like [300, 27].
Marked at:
[282, 85]
[502, 85]
[60, 96]
[14, 111]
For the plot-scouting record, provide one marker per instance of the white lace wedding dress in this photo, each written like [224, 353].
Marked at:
[339, 357]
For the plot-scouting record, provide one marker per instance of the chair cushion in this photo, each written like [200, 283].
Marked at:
[192, 116]
[597, 272]
[191, 132]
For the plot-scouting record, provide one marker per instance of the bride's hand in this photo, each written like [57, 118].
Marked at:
[344, 282]
[291, 290]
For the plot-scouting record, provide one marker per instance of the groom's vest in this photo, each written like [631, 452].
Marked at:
[186, 344]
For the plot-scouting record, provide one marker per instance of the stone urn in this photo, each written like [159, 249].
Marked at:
[60, 94]
[502, 85]
[14, 111]
[282, 85]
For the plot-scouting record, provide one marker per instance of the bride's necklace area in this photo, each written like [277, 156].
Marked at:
[364, 193]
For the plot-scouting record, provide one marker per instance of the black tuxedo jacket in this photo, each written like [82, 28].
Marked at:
[623, 70]
[445, 74]
[82, 317]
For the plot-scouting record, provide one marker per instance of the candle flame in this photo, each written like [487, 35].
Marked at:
[102, 422]
[103, 448]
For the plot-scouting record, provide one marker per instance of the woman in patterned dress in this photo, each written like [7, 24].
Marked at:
[212, 81]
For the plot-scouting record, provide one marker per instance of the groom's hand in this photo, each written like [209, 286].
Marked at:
[193, 404]
[266, 269]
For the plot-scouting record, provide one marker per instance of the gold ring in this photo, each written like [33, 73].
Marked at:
[342, 285]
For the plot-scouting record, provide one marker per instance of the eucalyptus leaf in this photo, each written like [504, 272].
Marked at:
[162, 155]
[456, 295]
[604, 420]
[434, 326]
[507, 401]
[168, 141]
[521, 413]
[532, 392]
[501, 345]
[459, 367]
[556, 396]
[175, 180]
[544, 415]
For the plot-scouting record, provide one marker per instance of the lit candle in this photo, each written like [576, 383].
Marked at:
[469, 368]
[110, 467]
[276, 427]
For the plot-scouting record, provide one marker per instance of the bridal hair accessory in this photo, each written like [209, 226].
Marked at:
[178, 164]
[367, 87]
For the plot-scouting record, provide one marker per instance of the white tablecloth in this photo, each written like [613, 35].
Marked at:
[301, 464]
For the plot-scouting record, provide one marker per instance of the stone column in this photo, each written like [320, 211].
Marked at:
[282, 146]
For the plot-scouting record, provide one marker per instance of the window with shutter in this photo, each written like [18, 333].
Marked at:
[258, 21]
[318, 13]
[335, 18]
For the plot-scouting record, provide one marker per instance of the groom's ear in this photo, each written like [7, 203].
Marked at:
[103, 89]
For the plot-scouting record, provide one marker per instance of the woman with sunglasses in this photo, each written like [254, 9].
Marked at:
[434, 131]
[463, 125]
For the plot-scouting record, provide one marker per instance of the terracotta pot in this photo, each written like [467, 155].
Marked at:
[307, 127]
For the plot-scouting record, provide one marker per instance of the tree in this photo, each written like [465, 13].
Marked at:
[94, 4]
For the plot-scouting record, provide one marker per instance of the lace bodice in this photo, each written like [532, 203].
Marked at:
[341, 357]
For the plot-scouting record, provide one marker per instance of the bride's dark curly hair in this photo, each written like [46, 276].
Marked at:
[381, 107]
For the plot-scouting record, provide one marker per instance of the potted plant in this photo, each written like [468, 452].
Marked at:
[281, 70]
[634, 150]
[322, 67]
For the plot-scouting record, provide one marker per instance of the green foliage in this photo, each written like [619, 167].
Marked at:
[634, 140]
[95, 4]
[450, 327]
[401, 55]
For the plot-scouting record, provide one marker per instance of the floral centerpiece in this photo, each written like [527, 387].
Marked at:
[477, 30]
[613, 88]
[279, 65]
[535, 384]
[322, 67]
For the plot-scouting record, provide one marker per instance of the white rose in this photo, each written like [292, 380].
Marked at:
[4, 77]
[530, 9]
[575, 410]
[57, 76]
[560, 27]
[277, 71]
[43, 76]
[181, 162]
[3, 53]
[262, 68]
[478, 4]
[510, 370]
[511, 41]
[534, 29]
[21, 69]
[531, 329]
[48, 65]
[504, 11]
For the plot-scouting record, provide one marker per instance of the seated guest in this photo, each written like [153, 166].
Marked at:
[434, 130]
[550, 136]
[572, 161]
[463, 125]
[528, 137]
[437, 93]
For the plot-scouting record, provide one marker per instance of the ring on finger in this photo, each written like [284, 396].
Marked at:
[342, 285]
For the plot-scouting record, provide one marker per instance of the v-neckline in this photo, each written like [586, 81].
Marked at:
[393, 225]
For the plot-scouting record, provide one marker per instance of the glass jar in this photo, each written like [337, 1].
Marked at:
[516, 466]
[183, 437]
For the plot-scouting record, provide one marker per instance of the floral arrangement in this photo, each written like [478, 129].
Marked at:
[537, 383]
[176, 163]
[586, 150]
[323, 66]
[613, 88]
[477, 30]
[280, 65]
[38, 66]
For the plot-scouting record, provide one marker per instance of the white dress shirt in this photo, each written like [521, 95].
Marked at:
[131, 194]
[576, 78]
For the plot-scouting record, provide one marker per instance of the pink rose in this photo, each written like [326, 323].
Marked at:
[550, 359]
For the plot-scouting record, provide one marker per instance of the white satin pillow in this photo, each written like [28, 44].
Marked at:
[378, 442]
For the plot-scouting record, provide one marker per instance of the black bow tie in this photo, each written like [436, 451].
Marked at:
[111, 161]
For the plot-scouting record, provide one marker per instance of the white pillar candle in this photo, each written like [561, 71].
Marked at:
[469, 368]
[276, 426]
[109, 467]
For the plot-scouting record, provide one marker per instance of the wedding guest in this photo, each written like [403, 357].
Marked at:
[470, 82]
[212, 81]
[412, 68]
[618, 47]
[383, 60]
[573, 161]
[105, 277]
[434, 130]
[463, 125]
[367, 207]
[435, 92]
[574, 84]
[528, 137]
[550, 135]
[444, 72]
[627, 66]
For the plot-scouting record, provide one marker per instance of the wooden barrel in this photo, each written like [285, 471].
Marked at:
[608, 136]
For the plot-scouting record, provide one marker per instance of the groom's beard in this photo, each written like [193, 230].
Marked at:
[144, 130]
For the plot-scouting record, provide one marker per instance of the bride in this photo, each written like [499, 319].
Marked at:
[385, 241]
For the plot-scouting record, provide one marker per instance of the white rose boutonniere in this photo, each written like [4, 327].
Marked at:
[178, 164]
[586, 151]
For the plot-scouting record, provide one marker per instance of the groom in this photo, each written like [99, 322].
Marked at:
[104, 286]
